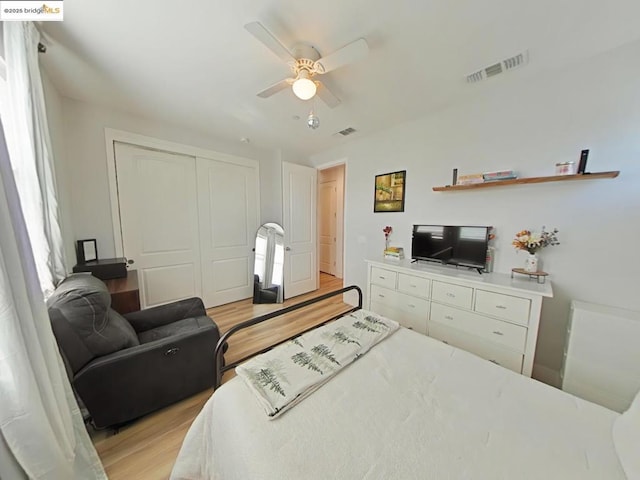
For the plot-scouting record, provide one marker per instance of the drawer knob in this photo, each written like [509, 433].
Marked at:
[452, 295]
[498, 332]
[448, 317]
[382, 278]
[501, 307]
[380, 295]
[444, 341]
[411, 305]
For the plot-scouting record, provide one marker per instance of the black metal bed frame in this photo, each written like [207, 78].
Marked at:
[219, 351]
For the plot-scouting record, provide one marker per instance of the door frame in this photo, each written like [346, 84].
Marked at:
[340, 221]
[113, 135]
[322, 209]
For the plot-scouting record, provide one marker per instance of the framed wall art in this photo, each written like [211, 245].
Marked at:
[389, 192]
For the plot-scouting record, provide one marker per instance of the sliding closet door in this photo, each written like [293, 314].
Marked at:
[228, 205]
[159, 221]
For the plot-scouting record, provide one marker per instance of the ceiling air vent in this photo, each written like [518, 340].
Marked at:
[505, 65]
[347, 131]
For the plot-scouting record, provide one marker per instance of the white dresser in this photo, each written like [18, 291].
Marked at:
[490, 314]
[602, 355]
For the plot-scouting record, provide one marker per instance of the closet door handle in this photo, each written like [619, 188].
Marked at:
[288, 249]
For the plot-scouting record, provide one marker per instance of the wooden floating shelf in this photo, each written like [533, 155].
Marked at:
[520, 181]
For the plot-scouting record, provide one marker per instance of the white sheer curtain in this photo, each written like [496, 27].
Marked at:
[31, 153]
[42, 434]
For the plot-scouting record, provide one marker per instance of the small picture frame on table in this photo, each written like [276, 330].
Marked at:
[87, 250]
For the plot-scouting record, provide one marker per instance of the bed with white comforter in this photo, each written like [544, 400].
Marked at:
[411, 408]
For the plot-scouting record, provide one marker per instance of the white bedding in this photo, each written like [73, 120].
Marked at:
[411, 408]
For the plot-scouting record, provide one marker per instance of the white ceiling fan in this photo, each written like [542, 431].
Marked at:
[306, 63]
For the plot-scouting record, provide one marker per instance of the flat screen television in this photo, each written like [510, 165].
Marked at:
[464, 246]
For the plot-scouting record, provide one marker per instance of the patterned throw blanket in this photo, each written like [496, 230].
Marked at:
[283, 376]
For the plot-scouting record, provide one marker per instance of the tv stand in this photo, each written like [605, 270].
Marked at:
[496, 316]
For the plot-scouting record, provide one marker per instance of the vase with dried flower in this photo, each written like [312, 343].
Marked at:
[387, 231]
[532, 243]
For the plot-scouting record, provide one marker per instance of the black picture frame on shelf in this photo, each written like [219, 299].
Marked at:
[87, 250]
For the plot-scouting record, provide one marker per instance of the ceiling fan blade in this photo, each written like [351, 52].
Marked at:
[349, 54]
[281, 85]
[272, 43]
[326, 96]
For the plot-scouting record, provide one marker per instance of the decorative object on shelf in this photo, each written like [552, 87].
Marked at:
[539, 276]
[582, 166]
[471, 178]
[387, 231]
[525, 180]
[531, 243]
[499, 175]
[389, 192]
[566, 168]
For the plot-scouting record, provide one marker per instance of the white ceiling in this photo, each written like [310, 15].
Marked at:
[192, 63]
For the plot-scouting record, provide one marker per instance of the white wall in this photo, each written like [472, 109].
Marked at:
[526, 124]
[86, 163]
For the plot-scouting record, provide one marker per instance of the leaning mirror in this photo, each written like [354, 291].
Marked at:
[269, 264]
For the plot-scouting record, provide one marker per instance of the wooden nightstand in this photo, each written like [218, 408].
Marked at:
[125, 293]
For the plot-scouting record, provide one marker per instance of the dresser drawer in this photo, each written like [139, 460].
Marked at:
[484, 349]
[452, 294]
[413, 285]
[503, 333]
[384, 295]
[510, 308]
[412, 312]
[383, 277]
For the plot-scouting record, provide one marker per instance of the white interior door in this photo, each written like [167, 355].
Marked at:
[228, 202]
[159, 222]
[299, 190]
[327, 226]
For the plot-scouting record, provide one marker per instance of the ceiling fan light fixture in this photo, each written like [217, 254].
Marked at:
[304, 88]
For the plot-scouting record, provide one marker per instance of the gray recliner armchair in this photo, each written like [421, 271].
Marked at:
[123, 367]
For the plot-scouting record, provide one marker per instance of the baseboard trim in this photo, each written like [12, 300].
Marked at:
[546, 375]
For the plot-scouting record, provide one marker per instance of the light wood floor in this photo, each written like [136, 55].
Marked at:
[147, 449]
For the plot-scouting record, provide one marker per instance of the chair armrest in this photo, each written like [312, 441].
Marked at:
[135, 381]
[149, 318]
